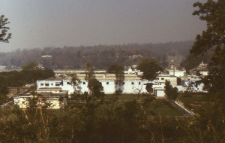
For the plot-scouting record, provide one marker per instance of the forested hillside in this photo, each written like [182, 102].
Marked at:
[101, 55]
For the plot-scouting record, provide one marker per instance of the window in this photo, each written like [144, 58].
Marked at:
[51, 84]
[123, 83]
[84, 82]
[42, 84]
[57, 84]
[107, 82]
[47, 84]
[139, 83]
[162, 78]
[68, 82]
[132, 83]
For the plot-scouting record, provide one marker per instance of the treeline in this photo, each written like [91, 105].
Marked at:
[101, 55]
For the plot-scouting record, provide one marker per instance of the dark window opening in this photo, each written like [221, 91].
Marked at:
[47, 84]
[132, 83]
[84, 82]
[57, 84]
[139, 83]
[107, 82]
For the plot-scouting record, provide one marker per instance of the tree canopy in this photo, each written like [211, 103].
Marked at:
[94, 85]
[119, 73]
[213, 38]
[3, 35]
[150, 68]
[171, 92]
[30, 66]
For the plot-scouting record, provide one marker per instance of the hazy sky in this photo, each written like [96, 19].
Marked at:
[42, 23]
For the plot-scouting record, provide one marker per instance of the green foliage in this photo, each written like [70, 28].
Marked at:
[171, 92]
[123, 124]
[213, 12]
[75, 81]
[149, 87]
[89, 71]
[30, 66]
[212, 39]
[150, 68]
[188, 94]
[94, 85]
[102, 55]
[18, 79]
[192, 61]
[119, 72]
[3, 35]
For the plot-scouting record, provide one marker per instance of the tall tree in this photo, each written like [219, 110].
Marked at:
[3, 35]
[171, 92]
[213, 38]
[75, 81]
[119, 73]
[150, 68]
[94, 85]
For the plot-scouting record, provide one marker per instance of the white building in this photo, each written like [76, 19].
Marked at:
[204, 73]
[174, 72]
[161, 78]
[191, 86]
[51, 96]
[132, 84]
[177, 73]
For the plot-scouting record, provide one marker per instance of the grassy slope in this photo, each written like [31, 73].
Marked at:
[159, 106]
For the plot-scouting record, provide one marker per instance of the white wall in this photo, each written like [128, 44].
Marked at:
[181, 88]
[172, 79]
[109, 86]
[204, 73]
[55, 103]
[160, 93]
[178, 73]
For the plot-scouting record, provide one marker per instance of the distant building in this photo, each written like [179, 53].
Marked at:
[2, 68]
[46, 56]
[136, 56]
[202, 69]
[175, 72]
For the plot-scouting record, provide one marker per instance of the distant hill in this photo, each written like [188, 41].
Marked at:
[101, 56]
